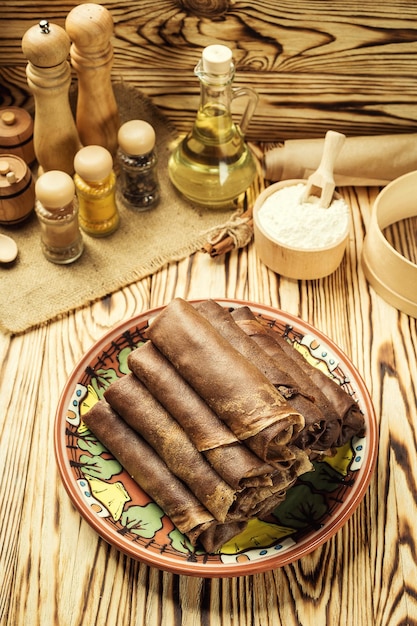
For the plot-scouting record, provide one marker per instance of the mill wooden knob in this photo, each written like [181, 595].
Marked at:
[8, 118]
[90, 28]
[46, 45]
[55, 136]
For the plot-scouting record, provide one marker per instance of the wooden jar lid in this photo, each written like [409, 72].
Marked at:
[16, 133]
[136, 137]
[93, 163]
[55, 189]
[12, 174]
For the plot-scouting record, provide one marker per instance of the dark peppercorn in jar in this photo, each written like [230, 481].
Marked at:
[137, 160]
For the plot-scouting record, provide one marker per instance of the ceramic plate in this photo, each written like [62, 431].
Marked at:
[122, 513]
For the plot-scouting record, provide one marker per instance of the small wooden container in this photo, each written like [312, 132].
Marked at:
[295, 262]
[16, 133]
[393, 276]
[17, 189]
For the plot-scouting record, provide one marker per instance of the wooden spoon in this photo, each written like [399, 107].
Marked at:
[322, 179]
[8, 249]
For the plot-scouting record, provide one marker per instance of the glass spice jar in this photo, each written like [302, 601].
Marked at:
[137, 160]
[57, 210]
[95, 184]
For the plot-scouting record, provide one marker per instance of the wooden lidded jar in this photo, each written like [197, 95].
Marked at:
[16, 133]
[17, 189]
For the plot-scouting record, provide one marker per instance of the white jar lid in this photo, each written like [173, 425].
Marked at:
[55, 189]
[136, 137]
[217, 59]
[93, 163]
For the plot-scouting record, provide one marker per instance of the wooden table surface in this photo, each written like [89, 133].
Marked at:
[56, 571]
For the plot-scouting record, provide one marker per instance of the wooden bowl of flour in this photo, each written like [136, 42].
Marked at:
[299, 240]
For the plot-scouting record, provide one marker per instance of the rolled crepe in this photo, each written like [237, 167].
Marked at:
[232, 386]
[277, 371]
[137, 406]
[154, 477]
[214, 535]
[234, 462]
[344, 417]
[142, 463]
[251, 502]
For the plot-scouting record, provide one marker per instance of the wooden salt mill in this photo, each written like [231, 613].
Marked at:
[90, 28]
[55, 136]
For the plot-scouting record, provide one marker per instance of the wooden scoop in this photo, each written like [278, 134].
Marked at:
[322, 179]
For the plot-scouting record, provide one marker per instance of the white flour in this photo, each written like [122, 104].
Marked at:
[289, 221]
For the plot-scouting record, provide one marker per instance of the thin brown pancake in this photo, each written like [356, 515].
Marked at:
[148, 470]
[234, 462]
[137, 406]
[232, 386]
[300, 397]
[343, 415]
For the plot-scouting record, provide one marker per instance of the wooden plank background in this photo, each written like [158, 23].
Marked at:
[347, 65]
[57, 571]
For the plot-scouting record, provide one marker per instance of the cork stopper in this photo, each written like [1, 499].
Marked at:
[89, 25]
[93, 163]
[217, 59]
[55, 189]
[46, 45]
[136, 137]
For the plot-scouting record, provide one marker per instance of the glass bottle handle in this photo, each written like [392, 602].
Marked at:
[252, 97]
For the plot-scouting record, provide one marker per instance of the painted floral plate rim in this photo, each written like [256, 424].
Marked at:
[122, 514]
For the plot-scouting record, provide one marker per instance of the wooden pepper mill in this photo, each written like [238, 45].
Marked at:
[90, 28]
[55, 136]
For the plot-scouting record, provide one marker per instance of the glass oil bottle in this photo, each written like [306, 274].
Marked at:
[213, 165]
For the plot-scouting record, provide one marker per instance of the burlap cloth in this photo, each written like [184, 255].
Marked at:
[34, 290]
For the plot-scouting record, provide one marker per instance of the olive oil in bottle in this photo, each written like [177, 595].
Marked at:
[213, 165]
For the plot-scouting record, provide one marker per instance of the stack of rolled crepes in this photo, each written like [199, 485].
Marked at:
[213, 424]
